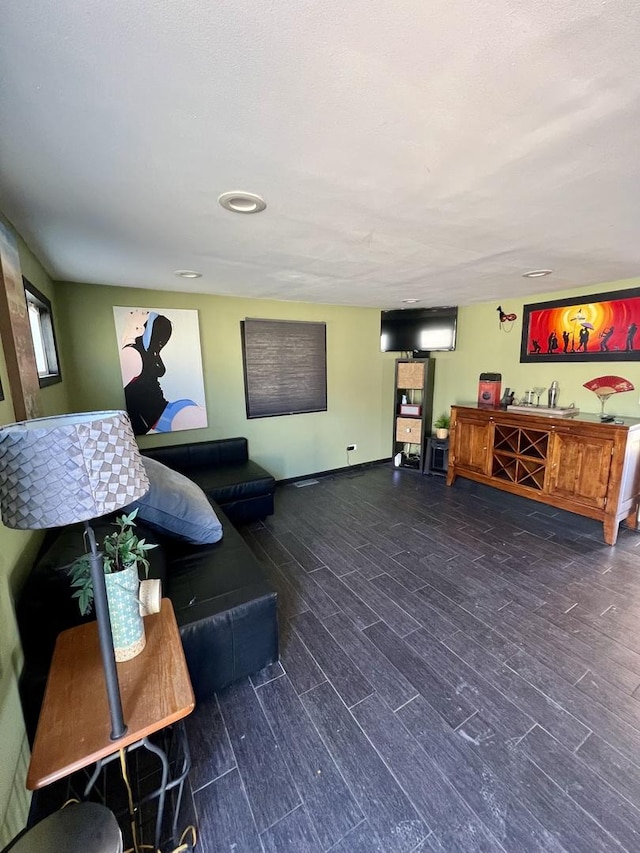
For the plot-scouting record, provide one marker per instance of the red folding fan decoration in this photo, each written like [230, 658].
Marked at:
[605, 386]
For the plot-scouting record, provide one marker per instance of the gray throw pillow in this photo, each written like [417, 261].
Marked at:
[175, 505]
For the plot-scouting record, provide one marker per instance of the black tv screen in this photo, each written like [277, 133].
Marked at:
[419, 329]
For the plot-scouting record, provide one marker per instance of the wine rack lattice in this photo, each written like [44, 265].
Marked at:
[520, 455]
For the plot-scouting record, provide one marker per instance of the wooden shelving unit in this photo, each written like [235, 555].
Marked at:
[414, 380]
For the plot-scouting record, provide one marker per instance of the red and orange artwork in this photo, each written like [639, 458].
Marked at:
[599, 328]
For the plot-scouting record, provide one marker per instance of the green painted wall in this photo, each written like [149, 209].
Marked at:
[483, 347]
[359, 377]
[54, 400]
[17, 552]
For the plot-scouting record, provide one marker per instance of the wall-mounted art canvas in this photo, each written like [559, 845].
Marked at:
[598, 327]
[161, 366]
[285, 367]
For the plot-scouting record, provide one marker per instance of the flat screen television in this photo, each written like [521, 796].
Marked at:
[419, 330]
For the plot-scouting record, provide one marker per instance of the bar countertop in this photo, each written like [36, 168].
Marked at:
[532, 411]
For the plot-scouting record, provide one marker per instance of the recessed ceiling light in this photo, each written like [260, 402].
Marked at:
[241, 202]
[188, 274]
[536, 273]
[410, 301]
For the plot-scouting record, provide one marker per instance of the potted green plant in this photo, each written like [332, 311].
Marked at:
[124, 553]
[441, 425]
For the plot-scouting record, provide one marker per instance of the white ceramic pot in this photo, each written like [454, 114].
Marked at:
[442, 433]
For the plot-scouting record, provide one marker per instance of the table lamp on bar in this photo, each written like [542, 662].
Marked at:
[66, 469]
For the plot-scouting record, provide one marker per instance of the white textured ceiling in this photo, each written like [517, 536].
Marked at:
[433, 150]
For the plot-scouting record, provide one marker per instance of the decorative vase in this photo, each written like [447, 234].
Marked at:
[442, 433]
[127, 625]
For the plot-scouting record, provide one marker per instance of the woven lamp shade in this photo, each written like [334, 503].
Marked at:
[61, 470]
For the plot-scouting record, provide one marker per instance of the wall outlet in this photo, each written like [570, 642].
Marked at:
[351, 447]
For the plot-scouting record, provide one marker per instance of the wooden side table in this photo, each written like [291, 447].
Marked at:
[74, 725]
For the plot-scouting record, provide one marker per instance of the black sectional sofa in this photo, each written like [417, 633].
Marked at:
[225, 474]
[224, 605]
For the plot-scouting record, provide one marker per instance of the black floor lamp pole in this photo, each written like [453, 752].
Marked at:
[118, 727]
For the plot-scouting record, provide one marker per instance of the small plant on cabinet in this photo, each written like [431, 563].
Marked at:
[441, 425]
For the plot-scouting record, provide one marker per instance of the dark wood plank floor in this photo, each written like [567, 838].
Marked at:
[460, 671]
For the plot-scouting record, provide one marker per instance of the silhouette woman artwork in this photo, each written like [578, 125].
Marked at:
[552, 343]
[142, 368]
[631, 333]
[565, 341]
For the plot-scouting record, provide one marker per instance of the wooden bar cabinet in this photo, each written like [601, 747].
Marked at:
[579, 464]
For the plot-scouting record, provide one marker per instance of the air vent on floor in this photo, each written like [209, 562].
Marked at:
[302, 483]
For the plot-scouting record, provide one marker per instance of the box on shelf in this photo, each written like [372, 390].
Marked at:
[411, 409]
[408, 431]
[410, 374]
